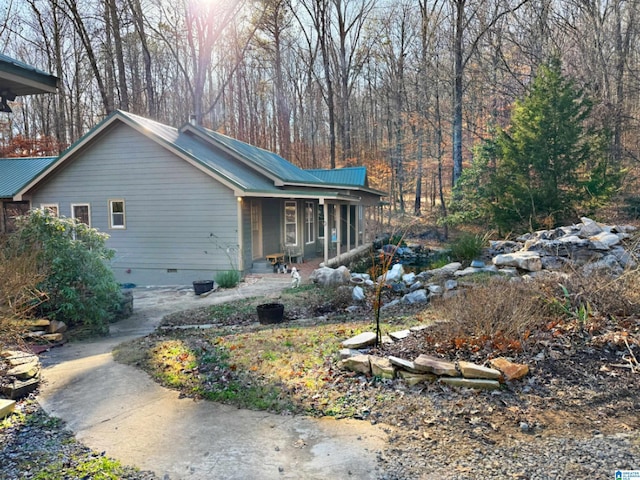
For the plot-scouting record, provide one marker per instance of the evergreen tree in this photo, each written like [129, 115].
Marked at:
[548, 166]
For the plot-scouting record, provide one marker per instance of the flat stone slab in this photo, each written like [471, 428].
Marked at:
[510, 370]
[472, 370]
[400, 334]
[19, 389]
[406, 365]
[364, 339]
[358, 363]
[6, 407]
[429, 364]
[476, 383]
[381, 367]
[412, 379]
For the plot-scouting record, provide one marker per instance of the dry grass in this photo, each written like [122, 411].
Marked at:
[499, 312]
[19, 295]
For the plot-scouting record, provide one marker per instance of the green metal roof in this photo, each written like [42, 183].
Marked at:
[19, 78]
[265, 160]
[15, 173]
[352, 176]
[243, 167]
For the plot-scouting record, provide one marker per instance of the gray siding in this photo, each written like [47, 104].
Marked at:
[177, 217]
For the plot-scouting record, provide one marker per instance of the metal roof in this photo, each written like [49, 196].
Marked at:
[15, 173]
[269, 163]
[18, 78]
[242, 167]
[351, 176]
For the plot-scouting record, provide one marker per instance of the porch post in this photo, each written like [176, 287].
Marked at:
[327, 237]
[348, 227]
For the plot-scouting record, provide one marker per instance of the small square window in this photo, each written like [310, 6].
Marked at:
[52, 208]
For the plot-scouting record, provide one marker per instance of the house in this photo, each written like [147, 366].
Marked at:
[182, 204]
[18, 79]
[15, 173]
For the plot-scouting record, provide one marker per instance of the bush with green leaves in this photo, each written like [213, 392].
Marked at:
[228, 278]
[468, 246]
[80, 287]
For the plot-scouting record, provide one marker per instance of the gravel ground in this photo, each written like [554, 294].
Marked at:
[36, 446]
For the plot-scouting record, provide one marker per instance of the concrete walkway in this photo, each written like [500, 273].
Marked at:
[119, 410]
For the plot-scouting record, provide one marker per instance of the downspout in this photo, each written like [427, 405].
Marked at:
[240, 237]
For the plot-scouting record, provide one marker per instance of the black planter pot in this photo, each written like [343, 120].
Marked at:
[202, 286]
[270, 313]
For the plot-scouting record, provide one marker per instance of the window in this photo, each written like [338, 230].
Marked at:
[321, 221]
[290, 223]
[11, 210]
[116, 214]
[81, 212]
[309, 224]
[51, 207]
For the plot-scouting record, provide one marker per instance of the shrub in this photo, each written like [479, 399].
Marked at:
[499, 312]
[80, 288]
[228, 278]
[468, 246]
[19, 294]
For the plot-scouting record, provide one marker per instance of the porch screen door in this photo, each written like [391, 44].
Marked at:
[256, 229]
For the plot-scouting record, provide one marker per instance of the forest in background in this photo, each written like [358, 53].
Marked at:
[407, 88]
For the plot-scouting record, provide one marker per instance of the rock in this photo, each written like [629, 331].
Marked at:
[57, 326]
[382, 367]
[360, 276]
[19, 388]
[348, 352]
[400, 334]
[589, 228]
[436, 289]
[478, 384]
[394, 275]
[357, 363]
[53, 337]
[447, 270]
[471, 370]
[418, 296]
[38, 324]
[604, 241]
[18, 357]
[6, 407]
[450, 284]
[429, 364]
[409, 278]
[510, 370]
[504, 246]
[477, 264]
[524, 260]
[392, 303]
[508, 272]
[364, 339]
[326, 276]
[414, 378]
[406, 365]
[608, 265]
[25, 371]
[416, 286]
[467, 271]
[625, 259]
[358, 294]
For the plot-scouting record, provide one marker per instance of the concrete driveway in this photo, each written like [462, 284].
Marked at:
[118, 409]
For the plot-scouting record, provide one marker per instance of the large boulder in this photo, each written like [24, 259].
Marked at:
[326, 276]
[524, 260]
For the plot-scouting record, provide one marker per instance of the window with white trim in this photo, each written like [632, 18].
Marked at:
[117, 214]
[81, 212]
[309, 223]
[290, 223]
[53, 208]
